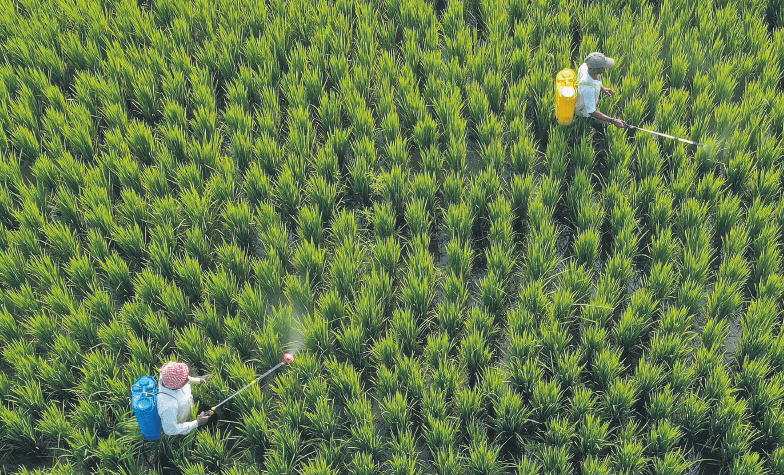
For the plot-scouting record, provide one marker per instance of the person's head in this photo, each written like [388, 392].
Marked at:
[598, 63]
[174, 375]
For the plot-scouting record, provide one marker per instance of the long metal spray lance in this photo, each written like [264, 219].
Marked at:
[287, 358]
[664, 135]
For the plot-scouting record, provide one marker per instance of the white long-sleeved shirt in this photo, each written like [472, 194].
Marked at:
[589, 90]
[174, 408]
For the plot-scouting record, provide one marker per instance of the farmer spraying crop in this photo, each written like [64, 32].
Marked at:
[175, 400]
[166, 405]
[590, 88]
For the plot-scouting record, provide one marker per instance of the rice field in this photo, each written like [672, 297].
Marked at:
[381, 187]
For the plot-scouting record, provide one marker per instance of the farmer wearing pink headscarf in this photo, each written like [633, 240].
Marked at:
[175, 400]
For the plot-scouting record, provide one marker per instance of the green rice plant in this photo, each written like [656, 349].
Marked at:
[251, 305]
[29, 397]
[386, 256]
[188, 272]
[592, 436]
[417, 292]
[396, 414]
[528, 466]
[446, 378]
[449, 318]
[737, 442]
[586, 247]
[541, 258]
[309, 261]
[149, 288]
[324, 196]
[714, 333]
[500, 258]
[343, 381]
[559, 432]
[197, 210]
[425, 133]
[289, 192]
[256, 184]
[210, 321]
[756, 325]
[406, 331]
[397, 155]
[459, 220]
[672, 463]
[118, 277]
[220, 288]
[82, 326]
[23, 301]
[344, 269]
[361, 179]
[748, 464]
[393, 188]
[133, 210]
[53, 425]
[157, 326]
[387, 351]
[114, 336]
[20, 355]
[345, 228]
[554, 459]
[255, 430]
[545, 400]
[269, 276]
[635, 321]
[19, 432]
[352, 340]
[9, 330]
[664, 437]
[239, 224]
[606, 368]
[661, 281]
[629, 457]
[269, 154]
[12, 268]
[26, 143]
[483, 458]
[511, 416]
[724, 300]
[44, 274]
[569, 367]
[235, 260]
[647, 377]
[310, 225]
[554, 338]
[693, 411]
[212, 450]
[418, 217]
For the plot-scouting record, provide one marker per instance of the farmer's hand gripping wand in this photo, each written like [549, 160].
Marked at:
[287, 358]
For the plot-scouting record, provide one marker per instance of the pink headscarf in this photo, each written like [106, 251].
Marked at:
[174, 375]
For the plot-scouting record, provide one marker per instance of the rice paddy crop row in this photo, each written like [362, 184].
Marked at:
[475, 289]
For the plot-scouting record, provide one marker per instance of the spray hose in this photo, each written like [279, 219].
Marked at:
[287, 358]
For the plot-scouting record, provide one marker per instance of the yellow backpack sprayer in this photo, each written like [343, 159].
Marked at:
[565, 96]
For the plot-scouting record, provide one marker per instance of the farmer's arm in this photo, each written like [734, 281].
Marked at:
[604, 118]
[170, 425]
[201, 379]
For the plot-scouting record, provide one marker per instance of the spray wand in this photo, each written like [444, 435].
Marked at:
[634, 127]
[287, 358]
